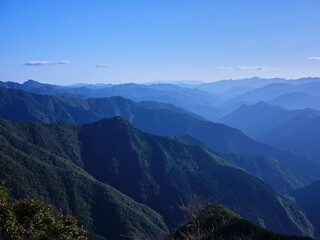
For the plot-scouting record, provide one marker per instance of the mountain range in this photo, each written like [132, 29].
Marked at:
[31, 169]
[296, 130]
[297, 100]
[139, 151]
[274, 90]
[53, 161]
[155, 118]
[278, 175]
[209, 100]
[201, 103]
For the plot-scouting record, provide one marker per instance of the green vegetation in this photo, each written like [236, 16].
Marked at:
[20, 105]
[33, 168]
[219, 223]
[32, 219]
[278, 175]
[82, 168]
[286, 171]
[51, 162]
[201, 102]
[4, 192]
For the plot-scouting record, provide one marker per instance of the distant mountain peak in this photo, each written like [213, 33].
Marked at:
[30, 81]
[116, 121]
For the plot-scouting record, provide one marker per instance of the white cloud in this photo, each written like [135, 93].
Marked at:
[62, 62]
[314, 58]
[102, 65]
[244, 68]
[39, 63]
[36, 63]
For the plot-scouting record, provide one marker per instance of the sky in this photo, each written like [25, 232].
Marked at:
[104, 41]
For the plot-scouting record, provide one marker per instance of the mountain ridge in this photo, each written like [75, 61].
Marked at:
[164, 122]
[31, 169]
[155, 170]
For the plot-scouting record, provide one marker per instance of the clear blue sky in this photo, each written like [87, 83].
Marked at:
[152, 40]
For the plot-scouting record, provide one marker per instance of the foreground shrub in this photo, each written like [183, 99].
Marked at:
[30, 219]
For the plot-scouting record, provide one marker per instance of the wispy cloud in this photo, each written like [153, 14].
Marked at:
[62, 62]
[314, 58]
[37, 63]
[244, 68]
[103, 65]
[40, 63]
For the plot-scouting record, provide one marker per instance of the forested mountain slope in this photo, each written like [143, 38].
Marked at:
[155, 118]
[153, 170]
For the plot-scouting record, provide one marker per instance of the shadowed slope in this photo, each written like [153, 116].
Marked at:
[32, 168]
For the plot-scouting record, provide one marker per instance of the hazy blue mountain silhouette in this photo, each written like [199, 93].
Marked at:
[19, 105]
